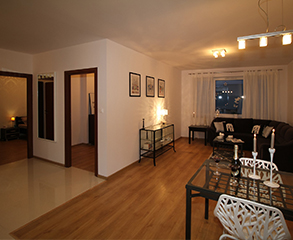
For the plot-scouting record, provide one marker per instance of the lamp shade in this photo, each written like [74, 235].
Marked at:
[287, 39]
[241, 44]
[12, 119]
[164, 112]
[263, 41]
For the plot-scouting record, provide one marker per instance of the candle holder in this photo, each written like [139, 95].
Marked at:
[254, 176]
[271, 183]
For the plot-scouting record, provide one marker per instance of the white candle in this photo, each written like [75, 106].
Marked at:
[254, 143]
[273, 139]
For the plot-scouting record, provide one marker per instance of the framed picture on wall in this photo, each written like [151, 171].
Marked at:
[150, 86]
[161, 88]
[134, 84]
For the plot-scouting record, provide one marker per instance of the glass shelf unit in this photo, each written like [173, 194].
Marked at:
[156, 140]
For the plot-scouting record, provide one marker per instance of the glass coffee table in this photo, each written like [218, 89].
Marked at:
[204, 183]
[224, 146]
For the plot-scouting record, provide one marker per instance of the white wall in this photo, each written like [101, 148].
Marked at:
[124, 113]
[290, 95]
[187, 94]
[81, 86]
[72, 58]
[119, 116]
[11, 61]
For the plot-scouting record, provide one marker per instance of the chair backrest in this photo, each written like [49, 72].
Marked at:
[258, 163]
[245, 219]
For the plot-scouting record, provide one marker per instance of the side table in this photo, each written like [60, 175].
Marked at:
[9, 133]
[198, 128]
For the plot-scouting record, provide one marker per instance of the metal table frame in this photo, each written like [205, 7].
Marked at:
[282, 197]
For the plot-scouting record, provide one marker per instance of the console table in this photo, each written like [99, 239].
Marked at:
[198, 128]
[156, 140]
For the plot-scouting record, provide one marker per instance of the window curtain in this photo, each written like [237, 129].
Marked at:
[261, 94]
[203, 101]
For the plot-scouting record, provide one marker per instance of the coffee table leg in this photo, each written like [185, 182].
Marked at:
[206, 215]
[189, 136]
[188, 214]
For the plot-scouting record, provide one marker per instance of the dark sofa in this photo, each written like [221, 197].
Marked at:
[283, 156]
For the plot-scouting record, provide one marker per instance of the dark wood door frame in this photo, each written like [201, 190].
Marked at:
[67, 94]
[29, 102]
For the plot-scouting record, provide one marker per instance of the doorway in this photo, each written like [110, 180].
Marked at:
[68, 75]
[29, 93]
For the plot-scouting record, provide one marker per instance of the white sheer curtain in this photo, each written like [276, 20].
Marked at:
[204, 101]
[261, 94]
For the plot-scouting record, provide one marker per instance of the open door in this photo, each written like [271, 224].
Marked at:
[68, 126]
[29, 79]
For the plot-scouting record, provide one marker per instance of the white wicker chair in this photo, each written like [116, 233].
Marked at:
[244, 219]
[258, 163]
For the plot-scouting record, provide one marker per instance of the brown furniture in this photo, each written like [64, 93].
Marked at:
[9, 133]
[198, 128]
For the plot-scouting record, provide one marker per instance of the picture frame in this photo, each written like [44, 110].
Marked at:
[161, 88]
[150, 86]
[134, 84]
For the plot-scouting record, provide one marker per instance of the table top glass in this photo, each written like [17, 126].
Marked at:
[213, 186]
[157, 126]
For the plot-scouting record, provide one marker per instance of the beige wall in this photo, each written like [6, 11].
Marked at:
[290, 95]
[13, 99]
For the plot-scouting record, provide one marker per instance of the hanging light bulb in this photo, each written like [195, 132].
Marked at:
[263, 42]
[241, 44]
[216, 54]
[287, 39]
[223, 53]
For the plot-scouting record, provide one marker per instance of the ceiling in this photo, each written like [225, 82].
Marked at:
[181, 33]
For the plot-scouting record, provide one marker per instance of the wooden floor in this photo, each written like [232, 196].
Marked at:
[139, 202]
[82, 156]
[13, 150]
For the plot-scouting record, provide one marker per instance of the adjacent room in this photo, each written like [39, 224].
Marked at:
[137, 119]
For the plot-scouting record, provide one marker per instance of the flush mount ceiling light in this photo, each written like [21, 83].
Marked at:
[263, 37]
[219, 52]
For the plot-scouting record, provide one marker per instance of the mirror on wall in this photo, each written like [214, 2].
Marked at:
[46, 106]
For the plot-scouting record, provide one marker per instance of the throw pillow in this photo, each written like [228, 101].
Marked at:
[219, 126]
[255, 129]
[266, 132]
[229, 127]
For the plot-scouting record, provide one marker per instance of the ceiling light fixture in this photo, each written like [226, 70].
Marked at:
[218, 52]
[263, 37]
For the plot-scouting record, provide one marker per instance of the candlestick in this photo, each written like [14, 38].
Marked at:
[254, 176]
[273, 139]
[271, 183]
[254, 143]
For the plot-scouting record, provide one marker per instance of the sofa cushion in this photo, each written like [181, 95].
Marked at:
[243, 125]
[262, 123]
[219, 126]
[267, 131]
[229, 127]
[256, 129]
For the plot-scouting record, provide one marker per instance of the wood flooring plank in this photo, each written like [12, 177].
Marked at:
[139, 202]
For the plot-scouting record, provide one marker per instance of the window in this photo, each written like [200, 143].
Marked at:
[229, 96]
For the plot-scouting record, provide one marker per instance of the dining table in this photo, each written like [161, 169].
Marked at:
[204, 183]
